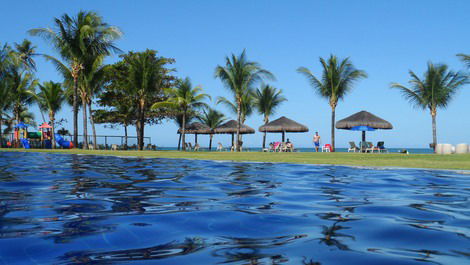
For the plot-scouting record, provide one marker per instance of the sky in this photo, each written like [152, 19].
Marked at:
[384, 38]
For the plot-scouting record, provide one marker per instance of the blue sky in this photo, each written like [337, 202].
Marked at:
[384, 38]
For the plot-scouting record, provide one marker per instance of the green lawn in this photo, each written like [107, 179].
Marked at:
[354, 159]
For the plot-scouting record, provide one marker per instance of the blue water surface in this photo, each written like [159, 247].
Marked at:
[76, 209]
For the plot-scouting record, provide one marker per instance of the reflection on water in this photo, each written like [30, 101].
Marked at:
[69, 209]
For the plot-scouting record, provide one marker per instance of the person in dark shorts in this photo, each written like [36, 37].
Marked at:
[316, 141]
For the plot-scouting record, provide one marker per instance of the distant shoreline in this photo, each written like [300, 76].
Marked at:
[424, 161]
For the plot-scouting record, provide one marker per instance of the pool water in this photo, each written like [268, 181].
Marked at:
[73, 209]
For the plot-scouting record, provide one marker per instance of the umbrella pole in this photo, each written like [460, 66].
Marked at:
[195, 138]
[363, 140]
[232, 141]
[283, 137]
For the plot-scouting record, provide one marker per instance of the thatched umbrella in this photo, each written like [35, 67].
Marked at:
[230, 127]
[363, 121]
[283, 125]
[196, 128]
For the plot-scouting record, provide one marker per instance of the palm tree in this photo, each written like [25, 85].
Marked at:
[5, 102]
[23, 85]
[240, 76]
[465, 58]
[178, 118]
[5, 85]
[51, 97]
[92, 81]
[143, 76]
[337, 80]
[76, 38]
[212, 119]
[435, 90]
[185, 98]
[267, 100]
[25, 51]
[246, 108]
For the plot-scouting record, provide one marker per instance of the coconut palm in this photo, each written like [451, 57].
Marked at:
[23, 85]
[337, 80]
[50, 98]
[267, 100]
[465, 58]
[212, 119]
[5, 85]
[178, 118]
[25, 52]
[240, 76]
[246, 108]
[141, 77]
[5, 102]
[91, 82]
[76, 38]
[185, 98]
[435, 90]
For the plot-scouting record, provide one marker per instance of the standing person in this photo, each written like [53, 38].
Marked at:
[316, 141]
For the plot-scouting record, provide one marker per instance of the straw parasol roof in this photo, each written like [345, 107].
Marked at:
[196, 128]
[283, 124]
[230, 127]
[363, 118]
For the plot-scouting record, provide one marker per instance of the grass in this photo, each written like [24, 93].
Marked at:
[353, 159]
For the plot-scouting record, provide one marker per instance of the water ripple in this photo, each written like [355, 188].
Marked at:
[74, 209]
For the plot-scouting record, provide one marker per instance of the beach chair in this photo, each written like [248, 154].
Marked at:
[196, 148]
[277, 147]
[91, 147]
[371, 148]
[363, 146]
[353, 147]
[220, 147]
[326, 148]
[114, 147]
[381, 147]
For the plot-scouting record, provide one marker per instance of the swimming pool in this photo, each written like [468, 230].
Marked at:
[72, 209]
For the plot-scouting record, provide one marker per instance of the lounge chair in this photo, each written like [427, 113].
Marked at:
[91, 147]
[326, 148]
[353, 147]
[196, 148]
[220, 147]
[114, 147]
[276, 147]
[371, 148]
[381, 147]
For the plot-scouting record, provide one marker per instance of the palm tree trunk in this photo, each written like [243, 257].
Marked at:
[93, 129]
[141, 127]
[52, 118]
[125, 136]
[75, 111]
[239, 118]
[1, 131]
[333, 110]
[85, 123]
[264, 140]
[434, 130]
[183, 131]
[179, 142]
[210, 142]
[137, 131]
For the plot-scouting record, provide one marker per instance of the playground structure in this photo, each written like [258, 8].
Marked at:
[104, 142]
[41, 139]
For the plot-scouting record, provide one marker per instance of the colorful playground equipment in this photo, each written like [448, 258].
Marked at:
[46, 135]
[21, 135]
[41, 139]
